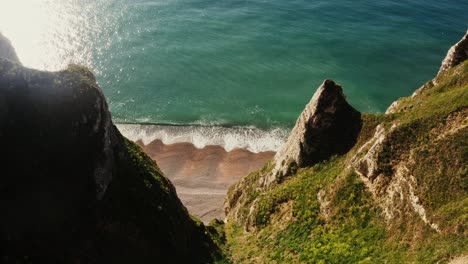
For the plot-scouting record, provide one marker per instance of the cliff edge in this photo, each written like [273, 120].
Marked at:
[457, 54]
[396, 191]
[73, 190]
[7, 51]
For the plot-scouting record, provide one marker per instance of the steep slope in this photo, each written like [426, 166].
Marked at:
[72, 189]
[457, 54]
[6, 49]
[398, 195]
[327, 126]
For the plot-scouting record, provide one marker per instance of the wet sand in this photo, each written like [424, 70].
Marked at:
[203, 176]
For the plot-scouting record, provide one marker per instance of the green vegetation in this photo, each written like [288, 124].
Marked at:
[146, 166]
[326, 214]
[141, 206]
[432, 133]
[217, 233]
[292, 228]
[88, 194]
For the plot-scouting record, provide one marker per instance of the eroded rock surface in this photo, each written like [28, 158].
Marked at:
[457, 54]
[327, 126]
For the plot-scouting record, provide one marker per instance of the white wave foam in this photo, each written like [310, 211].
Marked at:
[230, 138]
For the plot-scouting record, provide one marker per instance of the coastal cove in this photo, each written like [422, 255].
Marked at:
[234, 131]
[203, 162]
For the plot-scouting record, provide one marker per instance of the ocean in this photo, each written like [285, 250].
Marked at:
[235, 73]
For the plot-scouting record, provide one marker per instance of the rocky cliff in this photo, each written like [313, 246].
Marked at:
[7, 51]
[327, 126]
[457, 54]
[395, 191]
[72, 189]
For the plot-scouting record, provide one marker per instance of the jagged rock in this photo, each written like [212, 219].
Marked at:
[327, 126]
[72, 189]
[66, 108]
[396, 192]
[457, 54]
[6, 49]
[407, 168]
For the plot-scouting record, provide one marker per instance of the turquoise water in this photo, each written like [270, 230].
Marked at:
[259, 62]
[241, 62]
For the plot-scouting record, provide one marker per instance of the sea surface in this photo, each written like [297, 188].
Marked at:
[248, 66]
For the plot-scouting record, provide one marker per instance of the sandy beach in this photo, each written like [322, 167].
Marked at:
[203, 176]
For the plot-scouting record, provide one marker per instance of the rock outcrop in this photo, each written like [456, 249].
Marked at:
[457, 54]
[397, 189]
[396, 194]
[327, 126]
[387, 182]
[72, 189]
[7, 51]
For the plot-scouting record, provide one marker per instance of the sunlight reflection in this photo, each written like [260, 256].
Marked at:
[47, 34]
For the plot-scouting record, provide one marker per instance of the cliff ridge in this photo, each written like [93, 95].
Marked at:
[397, 194]
[73, 189]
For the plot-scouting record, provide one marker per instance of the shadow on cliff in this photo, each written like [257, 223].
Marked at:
[72, 189]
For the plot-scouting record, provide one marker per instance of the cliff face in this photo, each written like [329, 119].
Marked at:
[6, 49]
[422, 147]
[457, 54]
[327, 126]
[397, 193]
[73, 189]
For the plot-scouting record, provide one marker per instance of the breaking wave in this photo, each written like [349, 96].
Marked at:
[238, 137]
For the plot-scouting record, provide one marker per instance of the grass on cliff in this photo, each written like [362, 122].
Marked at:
[325, 214]
[433, 135]
[294, 227]
[142, 207]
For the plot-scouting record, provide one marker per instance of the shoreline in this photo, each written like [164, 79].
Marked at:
[250, 138]
[202, 176]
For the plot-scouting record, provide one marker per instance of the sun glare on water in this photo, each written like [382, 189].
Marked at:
[48, 34]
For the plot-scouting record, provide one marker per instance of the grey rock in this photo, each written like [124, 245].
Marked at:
[328, 126]
[6, 49]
